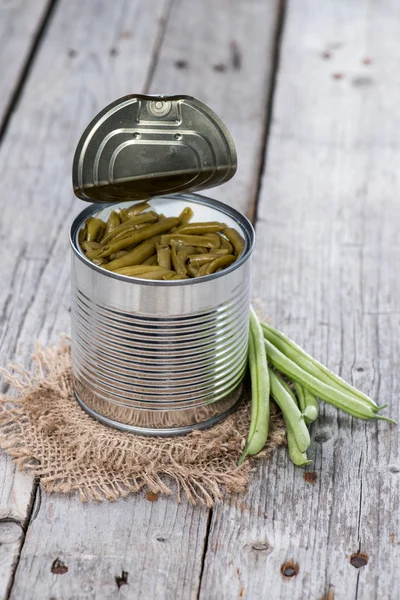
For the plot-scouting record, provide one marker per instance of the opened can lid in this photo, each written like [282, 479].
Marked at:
[142, 146]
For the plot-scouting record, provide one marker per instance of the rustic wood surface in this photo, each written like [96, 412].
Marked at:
[77, 69]
[327, 276]
[321, 175]
[89, 55]
[21, 25]
[77, 551]
[20, 30]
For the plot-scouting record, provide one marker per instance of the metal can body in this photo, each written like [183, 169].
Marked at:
[163, 357]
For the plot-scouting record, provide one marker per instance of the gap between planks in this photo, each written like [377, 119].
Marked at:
[280, 24]
[252, 212]
[20, 83]
[266, 120]
[34, 503]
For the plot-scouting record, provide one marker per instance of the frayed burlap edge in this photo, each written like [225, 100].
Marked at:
[46, 432]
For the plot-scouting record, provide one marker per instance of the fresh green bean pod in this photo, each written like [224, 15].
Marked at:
[164, 256]
[235, 239]
[311, 410]
[136, 257]
[354, 406]
[139, 236]
[297, 457]
[311, 365]
[260, 389]
[201, 228]
[94, 229]
[300, 395]
[290, 410]
[308, 403]
[288, 390]
[220, 263]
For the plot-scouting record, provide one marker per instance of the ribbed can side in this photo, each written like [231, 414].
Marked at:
[158, 358]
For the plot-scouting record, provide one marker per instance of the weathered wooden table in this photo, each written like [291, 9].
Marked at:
[311, 93]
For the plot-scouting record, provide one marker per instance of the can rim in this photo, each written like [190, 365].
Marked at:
[241, 219]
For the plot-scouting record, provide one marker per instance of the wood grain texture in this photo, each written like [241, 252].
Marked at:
[90, 71]
[96, 543]
[10, 542]
[66, 88]
[19, 26]
[222, 53]
[328, 256]
[91, 54]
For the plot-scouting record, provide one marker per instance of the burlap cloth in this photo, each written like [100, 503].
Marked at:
[46, 432]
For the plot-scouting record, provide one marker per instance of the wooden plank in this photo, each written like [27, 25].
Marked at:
[97, 543]
[327, 260]
[68, 84]
[20, 27]
[227, 66]
[20, 23]
[10, 541]
[91, 54]
[49, 313]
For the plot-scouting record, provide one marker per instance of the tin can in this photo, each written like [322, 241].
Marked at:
[158, 357]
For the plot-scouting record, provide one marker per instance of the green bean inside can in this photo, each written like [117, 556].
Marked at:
[139, 242]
